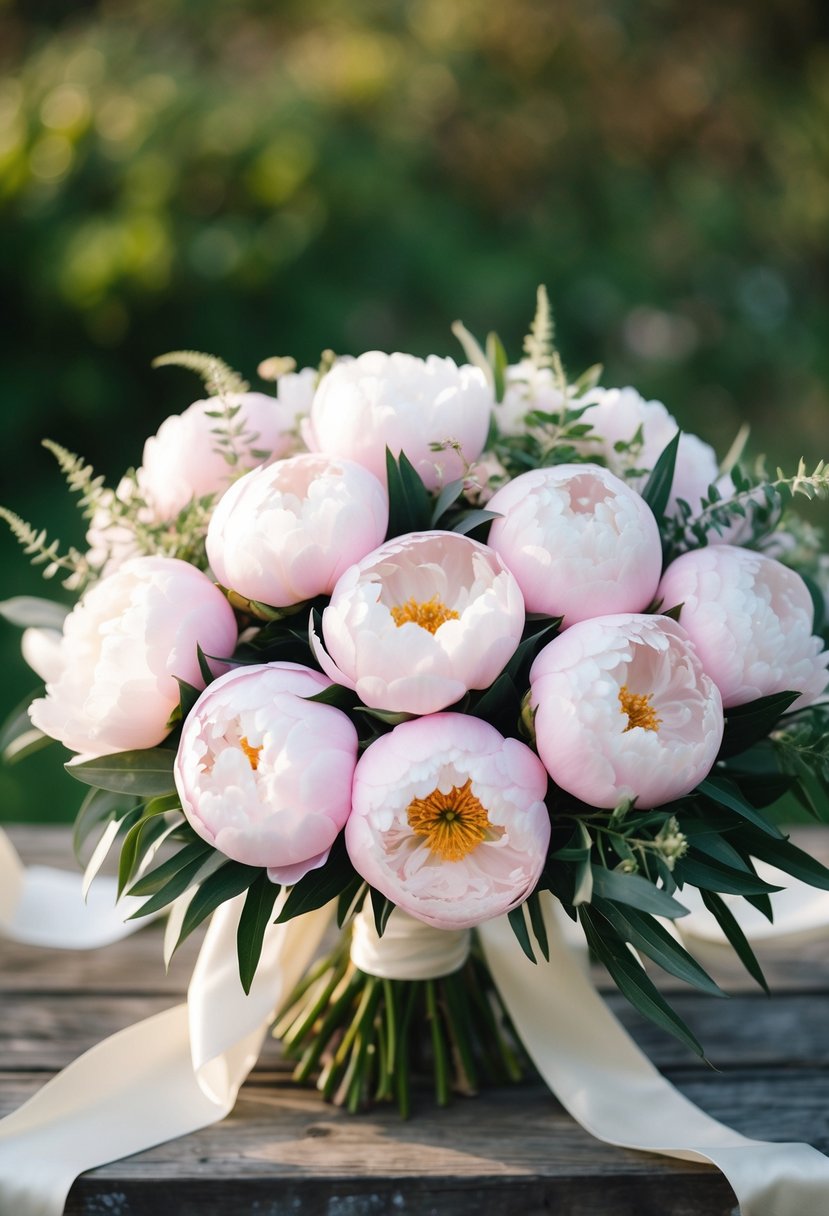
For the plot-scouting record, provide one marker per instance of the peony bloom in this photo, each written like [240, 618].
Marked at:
[449, 820]
[122, 647]
[625, 710]
[751, 620]
[286, 532]
[617, 415]
[181, 461]
[380, 401]
[263, 774]
[580, 542]
[420, 621]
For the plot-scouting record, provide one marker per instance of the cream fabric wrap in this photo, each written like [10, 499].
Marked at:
[181, 1070]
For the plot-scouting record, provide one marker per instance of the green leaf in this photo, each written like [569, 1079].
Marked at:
[178, 883]
[725, 793]
[712, 876]
[387, 716]
[497, 359]
[145, 773]
[33, 612]
[647, 935]
[382, 909]
[788, 857]
[350, 899]
[230, 880]
[319, 887]
[631, 980]
[539, 929]
[337, 695]
[748, 724]
[657, 489]
[96, 810]
[448, 496]
[19, 738]
[468, 521]
[636, 891]
[204, 667]
[410, 506]
[253, 922]
[142, 836]
[735, 936]
[187, 698]
[518, 924]
[154, 880]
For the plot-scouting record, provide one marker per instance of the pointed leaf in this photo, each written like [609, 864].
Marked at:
[253, 922]
[538, 927]
[713, 876]
[201, 866]
[449, 495]
[155, 880]
[410, 506]
[636, 891]
[734, 934]
[97, 808]
[146, 773]
[230, 880]
[468, 521]
[657, 489]
[647, 935]
[725, 793]
[748, 724]
[382, 909]
[319, 887]
[497, 359]
[33, 612]
[518, 924]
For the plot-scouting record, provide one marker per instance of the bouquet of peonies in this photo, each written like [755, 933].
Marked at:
[433, 644]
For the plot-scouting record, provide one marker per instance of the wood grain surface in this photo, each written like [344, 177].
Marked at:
[510, 1152]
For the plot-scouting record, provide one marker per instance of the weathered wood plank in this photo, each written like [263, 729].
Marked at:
[42, 1033]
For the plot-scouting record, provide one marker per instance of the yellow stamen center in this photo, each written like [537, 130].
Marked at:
[452, 824]
[639, 710]
[430, 614]
[252, 753]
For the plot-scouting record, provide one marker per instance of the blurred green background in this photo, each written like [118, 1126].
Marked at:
[258, 178]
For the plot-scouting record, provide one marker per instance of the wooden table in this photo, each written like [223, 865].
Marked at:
[283, 1152]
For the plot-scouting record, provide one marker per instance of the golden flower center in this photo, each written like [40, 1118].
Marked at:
[452, 824]
[428, 614]
[639, 710]
[252, 753]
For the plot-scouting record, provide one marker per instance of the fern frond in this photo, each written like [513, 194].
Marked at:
[219, 379]
[46, 553]
[540, 345]
[80, 477]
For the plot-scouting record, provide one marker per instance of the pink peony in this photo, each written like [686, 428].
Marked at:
[420, 621]
[751, 620]
[182, 462]
[380, 401]
[623, 709]
[527, 388]
[122, 647]
[449, 820]
[286, 532]
[265, 775]
[579, 541]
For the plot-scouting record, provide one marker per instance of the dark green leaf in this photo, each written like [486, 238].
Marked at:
[748, 724]
[725, 793]
[538, 927]
[33, 612]
[141, 837]
[177, 884]
[387, 716]
[350, 899]
[739, 943]
[631, 980]
[253, 922]
[145, 773]
[518, 924]
[712, 876]
[336, 695]
[636, 891]
[320, 886]
[657, 489]
[497, 359]
[223, 884]
[647, 935]
[187, 698]
[154, 880]
[468, 521]
[788, 857]
[204, 666]
[448, 496]
[410, 507]
[382, 909]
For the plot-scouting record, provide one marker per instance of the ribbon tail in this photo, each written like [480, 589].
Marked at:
[606, 1083]
[165, 1077]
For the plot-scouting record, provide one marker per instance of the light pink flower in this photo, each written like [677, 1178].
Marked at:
[449, 820]
[527, 388]
[122, 647]
[182, 462]
[285, 533]
[623, 709]
[751, 620]
[580, 542]
[263, 774]
[618, 415]
[420, 621]
[406, 404]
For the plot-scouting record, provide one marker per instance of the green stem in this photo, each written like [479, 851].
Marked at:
[402, 1078]
[350, 985]
[438, 1046]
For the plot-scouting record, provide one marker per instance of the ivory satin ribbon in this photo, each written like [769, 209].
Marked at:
[181, 1070]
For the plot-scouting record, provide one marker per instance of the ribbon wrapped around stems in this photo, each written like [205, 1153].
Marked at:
[182, 1069]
